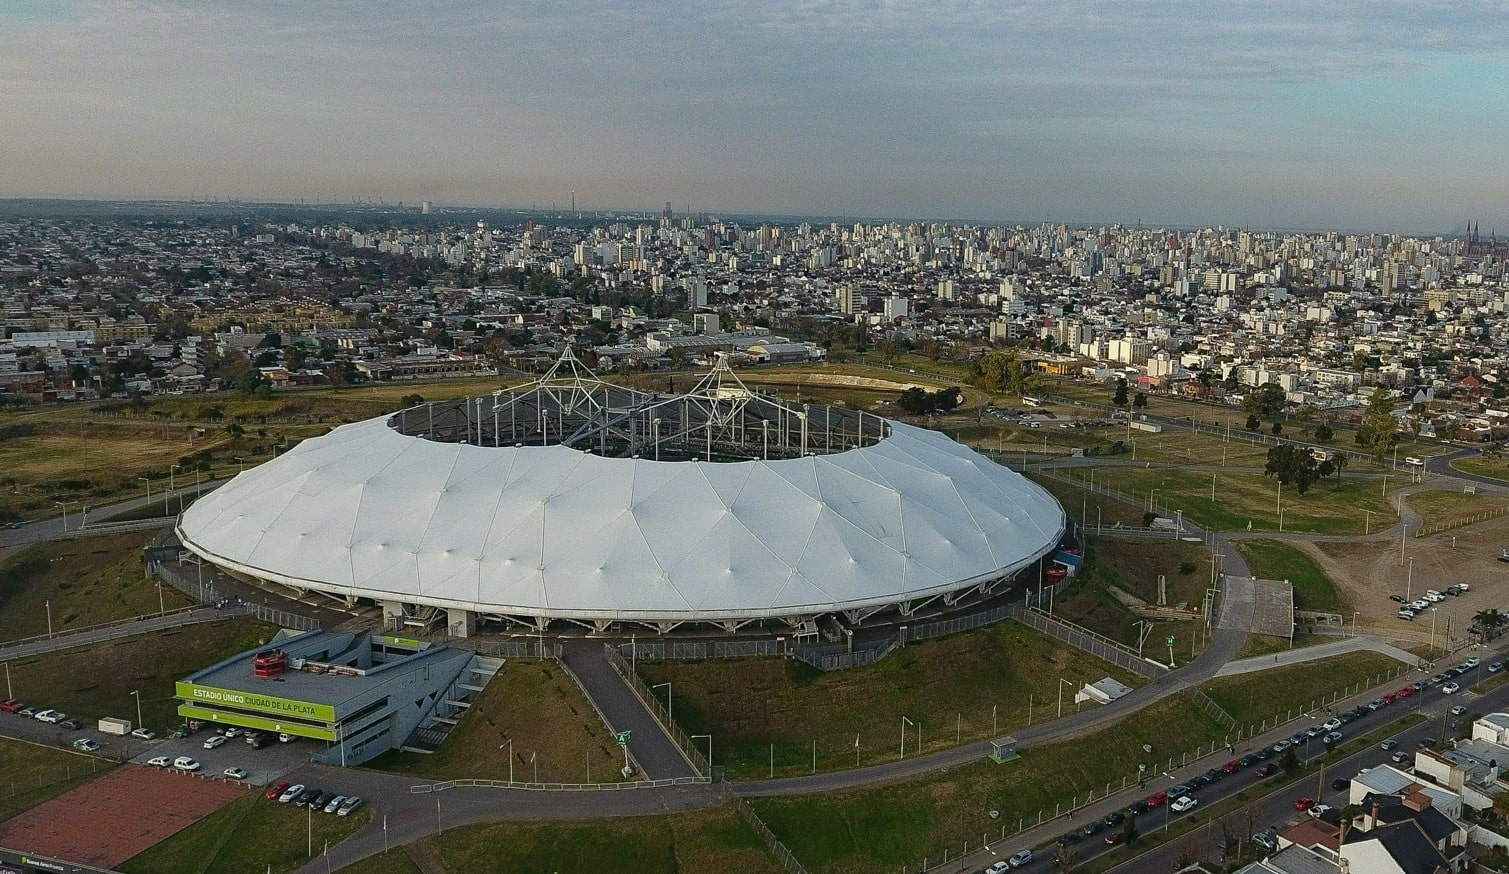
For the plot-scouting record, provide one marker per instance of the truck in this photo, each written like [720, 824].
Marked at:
[111, 725]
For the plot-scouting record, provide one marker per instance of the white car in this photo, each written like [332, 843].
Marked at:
[214, 740]
[144, 733]
[998, 868]
[1021, 857]
[184, 763]
[335, 804]
[159, 762]
[232, 731]
[291, 793]
[1451, 688]
[349, 805]
[1458, 710]
[235, 773]
[1471, 663]
[285, 738]
[1320, 810]
[87, 745]
[1331, 724]
[1183, 803]
[50, 716]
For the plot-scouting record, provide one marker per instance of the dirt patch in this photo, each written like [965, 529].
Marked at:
[109, 820]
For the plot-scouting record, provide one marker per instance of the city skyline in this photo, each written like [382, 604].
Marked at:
[1289, 116]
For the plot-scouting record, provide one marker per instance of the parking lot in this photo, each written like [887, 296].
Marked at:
[262, 766]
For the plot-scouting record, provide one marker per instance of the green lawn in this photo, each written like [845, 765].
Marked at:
[1267, 644]
[887, 827]
[82, 582]
[97, 681]
[1273, 560]
[1443, 510]
[1254, 697]
[1086, 507]
[248, 836]
[554, 729]
[395, 861]
[31, 774]
[1331, 507]
[698, 842]
[956, 689]
[1497, 468]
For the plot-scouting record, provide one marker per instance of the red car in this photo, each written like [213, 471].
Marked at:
[1232, 766]
[1157, 799]
[1267, 769]
[1115, 838]
[277, 789]
[1305, 802]
[1390, 698]
[11, 705]
[1405, 692]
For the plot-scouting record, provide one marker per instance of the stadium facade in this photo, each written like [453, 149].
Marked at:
[572, 500]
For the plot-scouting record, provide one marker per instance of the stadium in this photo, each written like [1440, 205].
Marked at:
[570, 500]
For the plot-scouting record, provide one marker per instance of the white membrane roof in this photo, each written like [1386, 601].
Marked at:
[556, 532]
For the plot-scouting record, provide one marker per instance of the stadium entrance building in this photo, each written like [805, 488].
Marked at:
[361, 694]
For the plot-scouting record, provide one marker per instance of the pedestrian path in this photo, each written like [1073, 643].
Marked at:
[649, 744]
[1319, 651]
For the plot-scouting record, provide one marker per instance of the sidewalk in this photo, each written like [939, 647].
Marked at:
[650, 746]
[1319, 651]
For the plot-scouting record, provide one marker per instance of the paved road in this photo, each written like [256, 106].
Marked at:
[1369, 642]
[112, 632]
[656, 755]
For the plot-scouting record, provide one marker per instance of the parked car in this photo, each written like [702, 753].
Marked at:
[10, 705]
[235, 773]
[1183, 803]
[1094, 827]
[276, 790]
[1471, 663]
[1458, 710]
[51, 716]
[231, 731]
[184, 763]
[354, 802]
[1340, 783]
[1400, 757]
[1376, 703]
[1332, 724]
[213, 741]
[307, 796]
[71, 724]
[159, 762]
[291, 792]
[335, 803]
[1397, 599]
[285, 737]
[1320, 810]
[1000, 867]
[1020, 858]
[1451, 688]
[1407, 614]
[1304, 802]
[1267, 769]
[1114, 818]
[1138, 808]
[1332, 737]
[1266, 840]
[1181, 789]
[1388, 745]
[86, 745]
[1495, 667]
[144, 733]
[1405, 692]
[1157, 799]
[28, 712]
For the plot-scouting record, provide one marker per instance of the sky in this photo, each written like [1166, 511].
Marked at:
[1388, 116]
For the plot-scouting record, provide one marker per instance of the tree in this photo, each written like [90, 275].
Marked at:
[1140, 401]
[1252, 422]
[1130, 831]
[1323, 433]
[1292, 465]
[1278, 428]
[1119, 398]
[1339, 461]
[1489, 620]
[1206, 379]
[1377, 432]
[1266, 401]
[410, 400]
[253, 384]
[1289, 762]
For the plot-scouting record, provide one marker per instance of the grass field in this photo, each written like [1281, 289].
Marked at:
[1267, 644]
[1134, 566]
[86, 581]
[1243, 499]
[555, 732]
[1498, 468]
[891, 826]
[1443, 510]
[1256, 696]
[956, 689]
[1087, 508]
[248, 836]
[698, 842]
[31, 774]
[1274, 560]
[98, 681]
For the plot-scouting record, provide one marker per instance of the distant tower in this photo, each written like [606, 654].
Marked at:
[665, 216]
[573, 203]
[425, 207]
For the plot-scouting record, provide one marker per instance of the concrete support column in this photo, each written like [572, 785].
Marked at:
[392, 616]
[460, 623]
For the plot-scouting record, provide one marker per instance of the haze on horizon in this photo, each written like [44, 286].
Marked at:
[1287, 114]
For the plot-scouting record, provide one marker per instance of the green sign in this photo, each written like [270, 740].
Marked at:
[263, 723]
[1169, 641]
[192, 692]
[407, 642]
[622, 736]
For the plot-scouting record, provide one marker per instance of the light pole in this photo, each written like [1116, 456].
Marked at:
[904, 723]
[709, 752]
[1367, 522]
[1061, 684]
[1152, 501]
[162, 608]
[1409, 579]
[1354, 623]
[669, 714]
[64, 505]
[169, 496]
[48, 605]
[137, 695]
[148, 481]
[509, 744]
[1432, 632]
[241, 464]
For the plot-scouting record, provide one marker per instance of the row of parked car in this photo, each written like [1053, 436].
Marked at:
[52, 717]
[313, 798]
[1414, 608]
